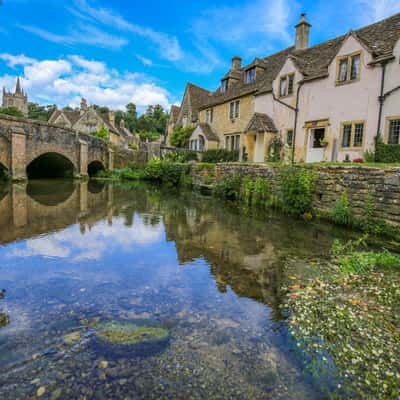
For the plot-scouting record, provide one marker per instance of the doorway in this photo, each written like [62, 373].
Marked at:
[316, 145]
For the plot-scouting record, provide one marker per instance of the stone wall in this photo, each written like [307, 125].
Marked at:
[360, 183]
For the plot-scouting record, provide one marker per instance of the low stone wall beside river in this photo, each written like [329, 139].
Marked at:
[361, 183]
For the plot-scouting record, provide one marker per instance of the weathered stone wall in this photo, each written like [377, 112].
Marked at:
[360, 183]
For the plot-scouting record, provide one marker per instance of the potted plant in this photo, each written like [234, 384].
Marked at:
[324, 142]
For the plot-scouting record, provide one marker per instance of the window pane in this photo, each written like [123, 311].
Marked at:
[237, 108]
[358, 135]
[346, 136]
[232, 143]
[355, 67]
[283, 87]
[290, 84]
[224, 85]
[343, 70]
[394, 131]
[237, 142]
[231, 110]
[227, 142]
[289, 138]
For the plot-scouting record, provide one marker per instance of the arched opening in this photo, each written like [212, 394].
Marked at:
[95, 167]
[50, 165]
[50, 194]
[3, 173]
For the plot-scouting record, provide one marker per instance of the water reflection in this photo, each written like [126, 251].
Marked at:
[210, 276]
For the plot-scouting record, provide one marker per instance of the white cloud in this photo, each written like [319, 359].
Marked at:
[65, 81]
[168, 46]
[82, 35]
[375, 10]
[145, 61]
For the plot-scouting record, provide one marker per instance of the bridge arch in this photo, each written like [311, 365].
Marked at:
[94, 167]
[50, 165]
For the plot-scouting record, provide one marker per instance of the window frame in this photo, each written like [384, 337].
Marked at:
[286, 78]
[287, 136]
[352, 134]
[234, 110]
[387, 128]
[224, 85]
[232, 142]
[349, 60]
[247, 75]
[209, 115]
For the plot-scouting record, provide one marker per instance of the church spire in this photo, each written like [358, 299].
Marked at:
[18, 87]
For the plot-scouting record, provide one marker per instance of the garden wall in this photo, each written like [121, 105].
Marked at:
[381, 184]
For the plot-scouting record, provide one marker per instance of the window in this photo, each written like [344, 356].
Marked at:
[394, 131]
[10, 102]
[234, 109]
[286, 85]
[349, 68]
[352, 134]
[232, 142]
[209, 115]
[289, 137]
[224, 85]
[250, 76]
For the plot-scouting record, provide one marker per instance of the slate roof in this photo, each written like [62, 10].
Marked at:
[379, 38]
[174, 113]
[208, 132]
[261, 123]
[198, 96]
[72, 116]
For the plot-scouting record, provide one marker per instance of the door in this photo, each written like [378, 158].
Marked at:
[316, 147]
[259, 151]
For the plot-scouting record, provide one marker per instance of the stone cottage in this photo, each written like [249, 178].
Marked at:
[88, 120]
[327, 102]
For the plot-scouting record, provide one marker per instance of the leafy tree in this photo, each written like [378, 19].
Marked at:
[131, 117]
[154, 120]
[42, 113]
[102, 133]
[102, 110]
[68, 108]
[11, 111]
[180, 136]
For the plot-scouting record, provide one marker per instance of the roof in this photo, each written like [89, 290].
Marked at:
[72, 116]
[174, 113]
[261, 123]
[313, 62]
[208, 132]
[197, 97]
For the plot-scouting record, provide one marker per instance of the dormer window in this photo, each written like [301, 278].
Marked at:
[209, 116]
[250, 76]
[348, 69]
[224, 85]
[286, 85]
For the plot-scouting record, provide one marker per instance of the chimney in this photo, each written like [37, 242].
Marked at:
[83, 105]
[236, 63]
[111, 118]
[302, 33]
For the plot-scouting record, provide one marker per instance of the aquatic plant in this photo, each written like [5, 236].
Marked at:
[228, 187]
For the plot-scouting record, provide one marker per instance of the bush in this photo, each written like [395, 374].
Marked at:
[229, 187]
[13, 111]
[102, 133]
[297, 190]
[180, 136]
[369, 156]
[181, 156]
[342, 213]
[386, 153]
[133, 146]
[220, 155]
[166, 172]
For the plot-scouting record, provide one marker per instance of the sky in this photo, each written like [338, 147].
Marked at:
[120, 51]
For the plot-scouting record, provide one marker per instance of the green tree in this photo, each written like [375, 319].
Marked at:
[180, 136]
[102, 133]
[11, 111]
[68, 108]
[42, 113]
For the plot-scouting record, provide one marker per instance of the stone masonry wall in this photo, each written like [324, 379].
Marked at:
[360, 183]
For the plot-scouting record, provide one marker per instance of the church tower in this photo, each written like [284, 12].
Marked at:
[18, 99]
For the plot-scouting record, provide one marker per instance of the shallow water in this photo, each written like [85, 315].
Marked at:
[72, 255]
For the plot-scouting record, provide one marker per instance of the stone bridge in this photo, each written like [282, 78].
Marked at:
[33, 149]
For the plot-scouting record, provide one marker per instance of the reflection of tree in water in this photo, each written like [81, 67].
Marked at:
[4, 320]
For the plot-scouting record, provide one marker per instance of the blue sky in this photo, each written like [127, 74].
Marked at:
[115, 52]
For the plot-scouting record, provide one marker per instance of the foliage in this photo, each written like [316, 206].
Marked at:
[220, 155]
[369, 156]
[148, 136]
[297, 190]
[209, 167]
[166, 172]
[386, 153]
[342, 214]
[229, 187]
[102, 133]
[181, 156]
[153, 121]
[274, 150]
[261, 193]
[133, 146]
[42, 113]
[13, 111]
[180, 136]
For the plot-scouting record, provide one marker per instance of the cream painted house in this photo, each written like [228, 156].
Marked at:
[323, 103]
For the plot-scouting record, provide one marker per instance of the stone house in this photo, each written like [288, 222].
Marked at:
[88, 120]
[18, 99]
[322, 103]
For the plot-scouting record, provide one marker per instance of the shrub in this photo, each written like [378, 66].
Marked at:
[247, 190]
[261, 193]
[369, 156]
[181, 156]
[133, 146]
[220, 155]
[13, 111]
[166, 172]
[102, 133]
[386, 153]
[229, 187]
[180, 136]
[274, 150]
[342, 213]
[297, 190]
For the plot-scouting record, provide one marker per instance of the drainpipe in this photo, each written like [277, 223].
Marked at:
[381, 99]
[296, 113]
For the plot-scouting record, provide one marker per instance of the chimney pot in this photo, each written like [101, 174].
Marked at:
[302, 33]
[236, 63]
